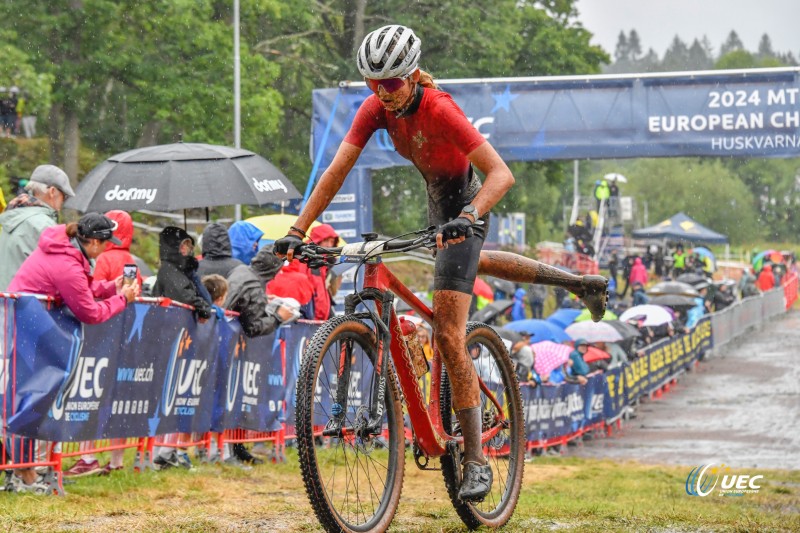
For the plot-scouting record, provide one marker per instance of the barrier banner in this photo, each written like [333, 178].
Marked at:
[552, 412]
[149, 370]
[249, 382]
[615, 399]
[665, 358]
[296, 337]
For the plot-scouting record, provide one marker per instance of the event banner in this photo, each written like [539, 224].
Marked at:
[154, 370]
[552, 412]
[718, 114]
[149, 370]
[666, 358]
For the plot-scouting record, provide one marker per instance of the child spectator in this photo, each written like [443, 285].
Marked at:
[217, 288]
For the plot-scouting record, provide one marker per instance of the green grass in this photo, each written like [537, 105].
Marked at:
[558, 493]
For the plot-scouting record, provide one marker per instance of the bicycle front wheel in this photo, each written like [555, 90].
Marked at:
[506, 450]
[353, 482]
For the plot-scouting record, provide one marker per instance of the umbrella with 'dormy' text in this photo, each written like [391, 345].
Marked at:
[178, 176]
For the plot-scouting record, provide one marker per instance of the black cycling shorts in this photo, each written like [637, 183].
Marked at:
[457, 265]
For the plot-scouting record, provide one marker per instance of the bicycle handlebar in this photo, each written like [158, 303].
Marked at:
[317, 256]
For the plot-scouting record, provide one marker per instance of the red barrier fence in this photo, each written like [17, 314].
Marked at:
[790, 287]
[572, 260]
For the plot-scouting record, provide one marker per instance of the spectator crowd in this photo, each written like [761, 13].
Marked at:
[93, 254]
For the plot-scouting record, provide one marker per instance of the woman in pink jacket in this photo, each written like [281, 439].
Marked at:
[72, 247]
[61, 268]
[638, 272]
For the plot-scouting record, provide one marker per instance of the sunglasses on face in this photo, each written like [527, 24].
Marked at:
[389, 85]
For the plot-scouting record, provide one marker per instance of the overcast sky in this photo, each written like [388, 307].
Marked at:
[657, 22]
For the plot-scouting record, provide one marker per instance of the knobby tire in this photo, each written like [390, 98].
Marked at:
[508, 457]
[356, 460]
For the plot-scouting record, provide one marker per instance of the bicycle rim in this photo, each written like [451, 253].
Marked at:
[353, 484]
[506, 451]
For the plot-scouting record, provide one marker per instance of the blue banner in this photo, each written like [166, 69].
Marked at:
[154, 370]
[720, 114]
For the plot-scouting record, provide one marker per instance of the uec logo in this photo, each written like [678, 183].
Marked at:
[703, 479]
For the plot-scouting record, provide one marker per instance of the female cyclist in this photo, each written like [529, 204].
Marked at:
[430, 130]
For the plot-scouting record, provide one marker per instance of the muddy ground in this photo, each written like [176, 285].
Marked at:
[740, 406]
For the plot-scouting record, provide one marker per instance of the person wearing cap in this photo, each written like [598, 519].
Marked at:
[73, 248]
[579, 368]
[28, 215]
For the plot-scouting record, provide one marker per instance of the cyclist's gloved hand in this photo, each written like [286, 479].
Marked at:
[284, 244]
[458, 227]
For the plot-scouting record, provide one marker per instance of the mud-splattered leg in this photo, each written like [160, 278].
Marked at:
[513, 267]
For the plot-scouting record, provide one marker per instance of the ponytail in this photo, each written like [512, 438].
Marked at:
[72, 230]
[426, 80]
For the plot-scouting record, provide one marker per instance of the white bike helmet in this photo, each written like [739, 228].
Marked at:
[389, 52]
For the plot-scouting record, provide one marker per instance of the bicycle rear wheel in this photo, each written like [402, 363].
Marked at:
[353, 483]
[505, 451]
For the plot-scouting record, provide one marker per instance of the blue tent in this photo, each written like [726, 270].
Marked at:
[681, 228]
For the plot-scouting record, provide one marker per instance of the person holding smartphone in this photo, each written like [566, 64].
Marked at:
[73, 247]
[110, 265]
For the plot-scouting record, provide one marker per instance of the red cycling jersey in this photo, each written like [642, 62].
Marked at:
[436, 137]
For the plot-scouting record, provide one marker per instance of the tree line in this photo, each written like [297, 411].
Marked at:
[105, 76]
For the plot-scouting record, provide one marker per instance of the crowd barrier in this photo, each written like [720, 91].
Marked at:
[574, 261]
[68, 388]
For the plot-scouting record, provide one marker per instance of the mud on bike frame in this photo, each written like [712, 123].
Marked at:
[381, 286]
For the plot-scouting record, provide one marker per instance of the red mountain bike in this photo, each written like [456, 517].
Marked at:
[350, 430]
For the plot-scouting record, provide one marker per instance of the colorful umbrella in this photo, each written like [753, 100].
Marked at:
[549, 356]
[481, 288]
[595, 354]
[594, 332]
[655, 315]
[563, 317]
[586, 315]
[758, 259]
[539, 330]
[705, 252]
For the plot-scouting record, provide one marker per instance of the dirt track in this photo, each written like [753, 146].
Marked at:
[741, 406]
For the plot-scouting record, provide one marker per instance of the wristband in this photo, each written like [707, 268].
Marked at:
[298, 230]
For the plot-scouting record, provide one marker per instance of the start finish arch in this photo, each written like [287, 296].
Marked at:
[726, 113]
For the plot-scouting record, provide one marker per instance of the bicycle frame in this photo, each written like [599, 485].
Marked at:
[426, 420]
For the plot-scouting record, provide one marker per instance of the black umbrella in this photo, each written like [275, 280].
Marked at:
[512, 336]
[691, 278]
[673, 300]
[502, 285]
[172, 177]
[626, 330]
[491, 311]
[673, 287]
